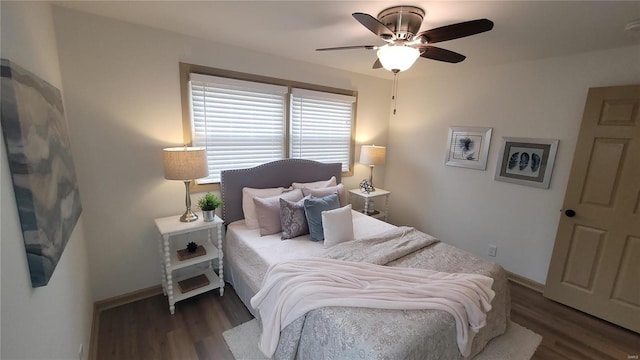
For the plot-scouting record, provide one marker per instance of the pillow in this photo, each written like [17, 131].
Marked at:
[313, 209]
[337, 226]
[339, 189]
[316, 184]
[249, 209]
[268, 211]
[293, 219]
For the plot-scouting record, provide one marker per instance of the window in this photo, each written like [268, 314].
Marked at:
[244, 123]
[321, 126]
[240, 123]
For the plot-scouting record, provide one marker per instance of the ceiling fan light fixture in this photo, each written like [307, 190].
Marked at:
[397, 58]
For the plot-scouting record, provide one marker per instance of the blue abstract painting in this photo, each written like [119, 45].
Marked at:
[42, 170]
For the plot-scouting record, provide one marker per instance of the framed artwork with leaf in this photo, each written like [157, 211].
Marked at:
[526, 161]
[468, 147]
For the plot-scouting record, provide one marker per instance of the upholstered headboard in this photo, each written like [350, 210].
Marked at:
[269, 175]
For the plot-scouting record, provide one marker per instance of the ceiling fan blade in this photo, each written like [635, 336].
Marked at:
[367, 47]
[436, 53]
[374, 25]
[456, 31]
[377, 64]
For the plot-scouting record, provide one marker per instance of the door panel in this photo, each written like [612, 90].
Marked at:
[594, 266]
[627, 287]
[606, 160]
[585, 253]
[619, 112]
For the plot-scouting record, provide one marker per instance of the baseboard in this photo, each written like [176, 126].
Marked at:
[533, 285]
[111, 303]
[128, 298]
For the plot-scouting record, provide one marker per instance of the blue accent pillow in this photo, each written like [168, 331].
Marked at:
[313, 209]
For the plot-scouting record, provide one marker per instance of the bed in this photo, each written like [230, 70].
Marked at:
[341, 332]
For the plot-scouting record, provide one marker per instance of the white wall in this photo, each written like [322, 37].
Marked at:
[49, 322]
[467, 208]
[122, 94]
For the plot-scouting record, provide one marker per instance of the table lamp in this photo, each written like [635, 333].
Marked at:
[372, 155]
[185, 163]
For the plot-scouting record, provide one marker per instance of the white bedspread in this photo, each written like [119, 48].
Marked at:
[292, 288]
[248, 255]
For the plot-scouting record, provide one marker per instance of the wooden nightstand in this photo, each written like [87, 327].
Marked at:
[368, 202]
[190, 281]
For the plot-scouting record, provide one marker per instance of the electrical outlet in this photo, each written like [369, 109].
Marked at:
[81, 352]
[492, 250]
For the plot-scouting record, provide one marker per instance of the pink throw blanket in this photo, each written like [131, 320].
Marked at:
[292, 288]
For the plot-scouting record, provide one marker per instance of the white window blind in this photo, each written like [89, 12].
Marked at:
[321, 125]
[241, 123]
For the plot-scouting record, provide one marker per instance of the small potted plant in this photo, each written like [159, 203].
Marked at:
[208, 204]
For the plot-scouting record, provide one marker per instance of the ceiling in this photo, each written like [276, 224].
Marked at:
[524, 30]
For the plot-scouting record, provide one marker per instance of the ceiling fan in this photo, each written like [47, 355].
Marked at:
[398, 26]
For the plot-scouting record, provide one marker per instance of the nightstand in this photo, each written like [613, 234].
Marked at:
[190, 279]
[368, 202]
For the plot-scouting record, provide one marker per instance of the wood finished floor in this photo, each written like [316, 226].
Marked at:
[145, 329]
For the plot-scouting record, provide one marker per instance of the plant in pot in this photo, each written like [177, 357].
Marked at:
[208, 204]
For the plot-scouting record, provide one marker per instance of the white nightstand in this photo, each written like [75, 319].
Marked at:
[368, 200]
[171, 226]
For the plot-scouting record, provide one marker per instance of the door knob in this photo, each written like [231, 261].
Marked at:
[570, 213]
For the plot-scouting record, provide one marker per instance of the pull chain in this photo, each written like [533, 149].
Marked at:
[394, 96]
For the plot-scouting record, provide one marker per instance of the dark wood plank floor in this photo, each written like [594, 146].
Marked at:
[145, 329]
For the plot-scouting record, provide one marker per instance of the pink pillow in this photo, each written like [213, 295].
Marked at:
[339, 189]
[268, 211]
[249, 209]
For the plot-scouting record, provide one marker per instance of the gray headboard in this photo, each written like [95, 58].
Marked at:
[269, 175]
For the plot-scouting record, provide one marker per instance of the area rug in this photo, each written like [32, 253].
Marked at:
[518, 343]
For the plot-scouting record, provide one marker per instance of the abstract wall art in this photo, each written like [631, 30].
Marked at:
[42, 170]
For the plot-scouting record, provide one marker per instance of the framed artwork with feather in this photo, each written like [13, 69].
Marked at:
[468, 147]
[526, 161]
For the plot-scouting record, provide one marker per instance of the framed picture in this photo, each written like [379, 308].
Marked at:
[468, 147]
[526, 161]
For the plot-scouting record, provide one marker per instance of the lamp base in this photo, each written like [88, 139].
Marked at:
[188, 216]
[371, 178]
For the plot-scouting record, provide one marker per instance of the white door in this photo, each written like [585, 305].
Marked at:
[595, 266]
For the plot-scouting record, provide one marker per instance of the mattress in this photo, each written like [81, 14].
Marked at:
[248, 255]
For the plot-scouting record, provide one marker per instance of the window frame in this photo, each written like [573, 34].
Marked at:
[187, 68]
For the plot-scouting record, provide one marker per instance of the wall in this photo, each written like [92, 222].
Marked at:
[123, 105]
[48, 322]
[468, 208]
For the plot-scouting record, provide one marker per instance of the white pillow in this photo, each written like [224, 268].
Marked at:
[249, 208]
[337, 226]
[316, 184]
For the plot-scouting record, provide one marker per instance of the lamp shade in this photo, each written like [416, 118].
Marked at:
[397, 57]
[185, 163]
[372, 155]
